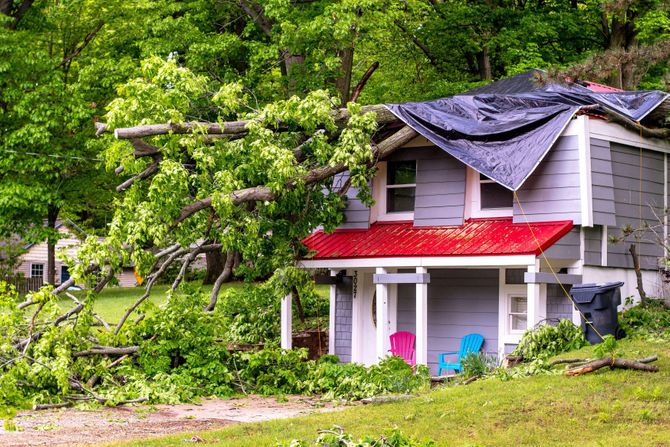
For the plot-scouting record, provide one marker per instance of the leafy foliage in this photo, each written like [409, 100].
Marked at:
[477, 364]
[337, 437]
[546, 341]
[649, 318]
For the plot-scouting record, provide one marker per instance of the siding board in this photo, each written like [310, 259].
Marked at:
[343, 318]
[440, 190]
[460, 302]
[356, 215]
[552, 191]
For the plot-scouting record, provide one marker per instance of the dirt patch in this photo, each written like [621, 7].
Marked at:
[80, 427]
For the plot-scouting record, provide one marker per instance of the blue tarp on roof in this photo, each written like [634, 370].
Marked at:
[505, 136]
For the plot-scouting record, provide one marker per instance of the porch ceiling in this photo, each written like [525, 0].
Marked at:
[477, 237]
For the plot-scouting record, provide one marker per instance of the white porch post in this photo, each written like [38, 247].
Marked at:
[286, 322]
[383, 342]
[421, 320]
[537, 303]
[332, 315]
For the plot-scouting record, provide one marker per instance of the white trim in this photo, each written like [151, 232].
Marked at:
[585, 187]
[537, 304]
[393, 304]
[358, 279]
[437, 261]
[603, 246]
[332, 315]
[505, 292]
[44, 269]
[382, 334]
[286, 322]
[422, 319]
[616, 133]
[473, 197]
[665, 198]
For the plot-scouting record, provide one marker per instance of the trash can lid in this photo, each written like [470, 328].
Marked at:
[596, 287]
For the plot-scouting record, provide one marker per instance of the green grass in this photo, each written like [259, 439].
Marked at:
[605, 408]
[112, 302]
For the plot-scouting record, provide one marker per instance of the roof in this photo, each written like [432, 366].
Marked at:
[477, 237]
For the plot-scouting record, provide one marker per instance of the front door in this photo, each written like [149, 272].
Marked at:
[64, 274]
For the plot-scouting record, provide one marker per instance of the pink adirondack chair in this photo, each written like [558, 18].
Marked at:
[402, 345]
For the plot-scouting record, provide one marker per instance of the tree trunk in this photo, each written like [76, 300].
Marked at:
[638, 273]
[52, 216]
[343, 83]
[298, 304]
[484, 63]
[225, 276]
[215, 263]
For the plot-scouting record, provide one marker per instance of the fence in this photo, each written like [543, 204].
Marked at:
[25, 285]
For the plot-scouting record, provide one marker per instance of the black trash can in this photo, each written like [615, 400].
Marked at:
[598, 303]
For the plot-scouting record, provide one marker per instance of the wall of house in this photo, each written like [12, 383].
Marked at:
[567, 247]
[593, 245]
[37, 254]
[632, 169]
[654, 283]
[460, 301]
[356, 215]
[552, 191]
[343, 315]
[559, 306]
[127, 277]
[602, 185]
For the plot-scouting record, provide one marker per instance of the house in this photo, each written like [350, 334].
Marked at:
[33, 263]
[481, 224]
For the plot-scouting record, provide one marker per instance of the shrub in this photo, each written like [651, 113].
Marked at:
[649, 318]
[337, 437]
[477, 364]
[546, 341]
[250, 314]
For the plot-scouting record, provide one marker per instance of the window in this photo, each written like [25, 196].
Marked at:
[37, 270]
[517, 313]
[493, 195]
[400, 186]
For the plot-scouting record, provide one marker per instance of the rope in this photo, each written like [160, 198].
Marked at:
[551, 268]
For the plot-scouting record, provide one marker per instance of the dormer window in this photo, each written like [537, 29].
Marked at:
[393, 190]
[493, 195]
[400, 186]
[486, 198]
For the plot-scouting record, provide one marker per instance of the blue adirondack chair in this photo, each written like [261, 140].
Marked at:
[469, 343]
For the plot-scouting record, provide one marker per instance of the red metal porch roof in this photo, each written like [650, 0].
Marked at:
[477, 237]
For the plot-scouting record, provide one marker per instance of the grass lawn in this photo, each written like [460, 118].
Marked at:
[112, 302]
[605, 408]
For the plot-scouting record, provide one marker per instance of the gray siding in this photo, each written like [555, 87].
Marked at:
[440, 191]
[593, 246]
[460, 302]
[552, 191]
[631, 204]
[343, 315]
[559, 306]
[567, 247]
[602, 186]
[356, 215]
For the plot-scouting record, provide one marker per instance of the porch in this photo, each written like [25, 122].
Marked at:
[497, 297]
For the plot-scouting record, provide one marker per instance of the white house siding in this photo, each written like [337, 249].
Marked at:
[552, 191]
[653, 281]
[37, 254]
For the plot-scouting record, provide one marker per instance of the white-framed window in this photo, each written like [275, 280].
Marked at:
[517, 313]
[487, 198]
[394, 190]
[37, 270]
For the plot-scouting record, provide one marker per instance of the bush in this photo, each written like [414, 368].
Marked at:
[649, 318]
[250, 314]
[546, 341]
[336, 437]
[477, 364]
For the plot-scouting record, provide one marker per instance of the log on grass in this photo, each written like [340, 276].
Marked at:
[613, 363]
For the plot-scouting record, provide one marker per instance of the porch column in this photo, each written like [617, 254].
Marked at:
[421, 319]
[286, 322]
[537, 304]
[383, 342]
[331, 315]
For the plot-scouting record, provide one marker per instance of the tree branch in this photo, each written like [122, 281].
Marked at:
[87, 39]
[356, 92]
[148, 172]
[263, 193]
[107, 350]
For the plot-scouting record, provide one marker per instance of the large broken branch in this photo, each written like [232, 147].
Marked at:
[107, 350]
[263, 193]
[595, 365]
[341, 116]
